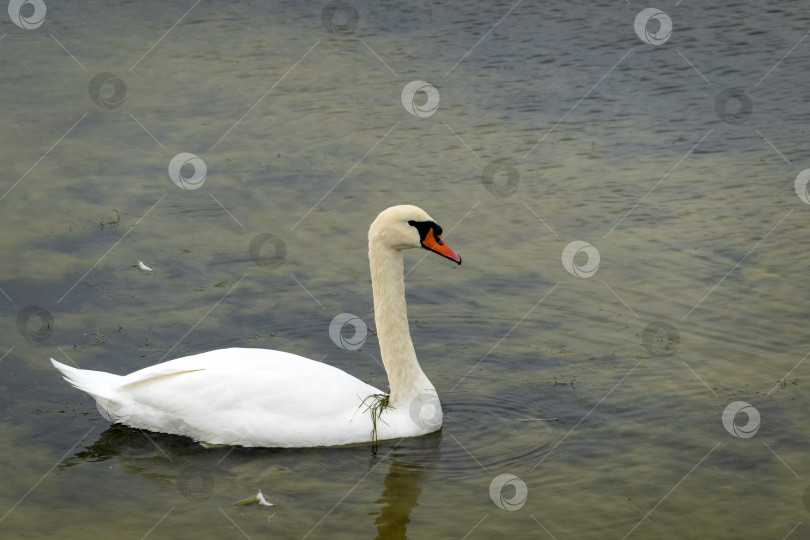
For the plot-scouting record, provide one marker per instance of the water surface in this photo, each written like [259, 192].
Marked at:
[556, 123]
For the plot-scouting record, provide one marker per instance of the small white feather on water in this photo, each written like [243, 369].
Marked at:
[262, 500]
[144, 267]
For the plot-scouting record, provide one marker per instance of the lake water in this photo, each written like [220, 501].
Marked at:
[621, 354]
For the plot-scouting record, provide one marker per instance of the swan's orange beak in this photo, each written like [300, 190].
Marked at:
[435, 244]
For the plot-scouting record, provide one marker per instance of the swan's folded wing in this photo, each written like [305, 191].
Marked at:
[154, 375]
[277, 388]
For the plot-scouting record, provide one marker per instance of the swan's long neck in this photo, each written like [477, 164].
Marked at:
[406, 379]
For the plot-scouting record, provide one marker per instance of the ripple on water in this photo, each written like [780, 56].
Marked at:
[500, 432]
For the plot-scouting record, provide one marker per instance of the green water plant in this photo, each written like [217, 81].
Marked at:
[376, 405]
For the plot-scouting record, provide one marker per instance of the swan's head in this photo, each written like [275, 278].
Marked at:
[406, 226]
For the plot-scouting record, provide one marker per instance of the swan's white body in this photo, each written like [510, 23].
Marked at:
[258, 397]
[247, 397]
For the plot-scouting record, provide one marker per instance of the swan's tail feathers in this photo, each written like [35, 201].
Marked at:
[100, 385]
[95, 383]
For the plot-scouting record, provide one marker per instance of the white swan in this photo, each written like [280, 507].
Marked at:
[258, 397]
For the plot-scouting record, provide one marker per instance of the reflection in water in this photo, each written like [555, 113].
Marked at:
[411, 460]
[119, 440]
[197, 471]
[402, 489]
